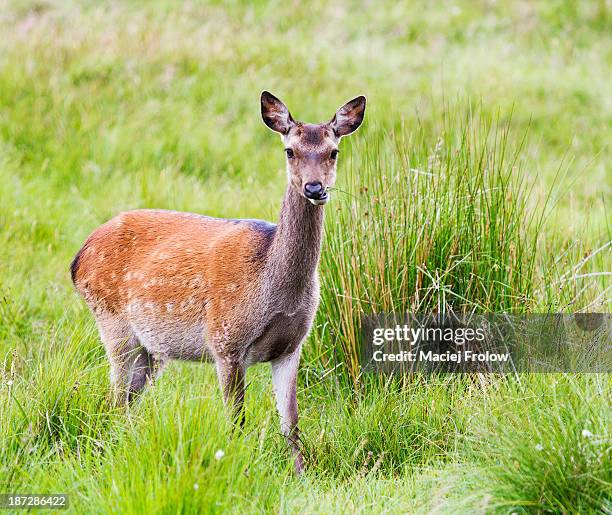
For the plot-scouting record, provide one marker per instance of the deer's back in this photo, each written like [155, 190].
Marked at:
[171, 265]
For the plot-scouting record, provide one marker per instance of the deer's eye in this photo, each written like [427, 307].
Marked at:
[289, 153]
[334, 154]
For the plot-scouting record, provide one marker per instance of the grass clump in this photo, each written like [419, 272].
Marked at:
[429, 228]
[393, 427]
[547, 447]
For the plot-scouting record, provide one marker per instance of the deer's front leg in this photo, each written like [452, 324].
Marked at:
[284, 381]
[231, 379]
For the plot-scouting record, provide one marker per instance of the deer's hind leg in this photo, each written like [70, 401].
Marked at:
[130, 363]
[144, 368]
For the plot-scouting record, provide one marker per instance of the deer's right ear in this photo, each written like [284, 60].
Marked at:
[275, 114]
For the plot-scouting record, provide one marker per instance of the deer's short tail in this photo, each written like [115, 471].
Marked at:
[74, 266]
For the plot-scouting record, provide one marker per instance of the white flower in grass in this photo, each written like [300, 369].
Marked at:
[9, 382]
[539, 447]
[219, 454]
[586, 433]
[196, 486]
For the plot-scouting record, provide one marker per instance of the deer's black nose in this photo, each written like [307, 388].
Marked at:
[314, 190]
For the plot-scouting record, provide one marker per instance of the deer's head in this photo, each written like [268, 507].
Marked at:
[312, 149]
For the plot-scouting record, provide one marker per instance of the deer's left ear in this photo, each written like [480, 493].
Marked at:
[349, 117]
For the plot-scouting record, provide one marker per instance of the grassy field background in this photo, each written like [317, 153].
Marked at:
[480, 180]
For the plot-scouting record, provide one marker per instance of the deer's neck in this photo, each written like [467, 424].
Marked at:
[294, 254]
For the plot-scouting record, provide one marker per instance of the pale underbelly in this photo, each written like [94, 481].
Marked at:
[174, 340]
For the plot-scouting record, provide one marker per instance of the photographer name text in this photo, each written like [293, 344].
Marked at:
[466, 356]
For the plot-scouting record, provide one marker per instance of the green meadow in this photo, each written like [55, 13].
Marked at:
[480, 181]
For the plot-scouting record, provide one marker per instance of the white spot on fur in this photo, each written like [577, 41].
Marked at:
[133, 307]
[196, 281]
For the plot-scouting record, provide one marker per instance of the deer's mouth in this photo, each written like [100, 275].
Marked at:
[322, 199]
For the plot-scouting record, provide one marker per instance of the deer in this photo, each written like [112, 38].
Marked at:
[168, 285]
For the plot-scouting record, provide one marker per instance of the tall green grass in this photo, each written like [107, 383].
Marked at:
[426, 224]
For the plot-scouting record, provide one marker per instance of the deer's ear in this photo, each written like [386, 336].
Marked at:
[349, 117]
[275, 114]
